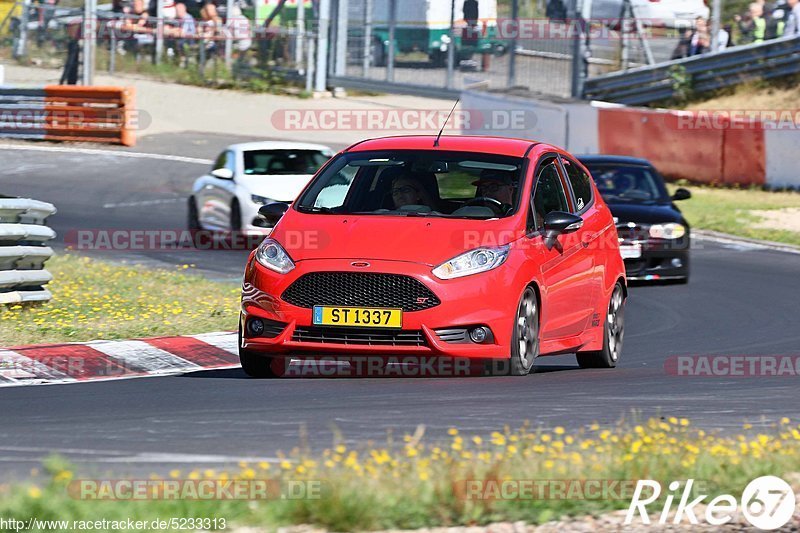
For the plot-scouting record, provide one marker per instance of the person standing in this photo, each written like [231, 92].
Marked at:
[793, 24]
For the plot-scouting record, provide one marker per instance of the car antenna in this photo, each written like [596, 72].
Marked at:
[436, 141]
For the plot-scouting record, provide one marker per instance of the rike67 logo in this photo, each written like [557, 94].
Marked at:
[768, 503]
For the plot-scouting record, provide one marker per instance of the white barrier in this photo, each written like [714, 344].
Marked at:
[23, 251]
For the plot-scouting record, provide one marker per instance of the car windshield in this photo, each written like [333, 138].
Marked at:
[628, 183]
[283, 162]
[417, 183]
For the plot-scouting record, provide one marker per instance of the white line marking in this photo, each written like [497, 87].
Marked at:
[139, 354]
[222, 340]
[115, 153]
[142, 203]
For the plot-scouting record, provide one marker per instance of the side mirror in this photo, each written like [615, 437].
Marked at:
[272, 213]
[682, 194]
[558, 223]
[222, 173]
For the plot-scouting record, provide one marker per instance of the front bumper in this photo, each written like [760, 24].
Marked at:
[465, 303]
[659, 260]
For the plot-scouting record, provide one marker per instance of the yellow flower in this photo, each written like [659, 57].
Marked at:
[477, 440]
[35, 492]
[785, 421]
[546, 438]
[174, 474]
[286, 465]
[263, 465]
[636, 446]
[684, 422]
[672, 420]
[452, 432]
[558, 430]
[341, 448]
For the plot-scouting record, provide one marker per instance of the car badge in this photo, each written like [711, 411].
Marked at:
[360, 264]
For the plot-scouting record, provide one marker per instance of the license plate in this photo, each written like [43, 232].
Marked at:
[364, 317]
[630, 251]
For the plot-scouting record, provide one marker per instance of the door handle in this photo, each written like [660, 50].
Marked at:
[586, 239]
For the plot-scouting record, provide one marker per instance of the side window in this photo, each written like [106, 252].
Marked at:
[225, 160]
[549, 193]
[581, 185]
[221, 161]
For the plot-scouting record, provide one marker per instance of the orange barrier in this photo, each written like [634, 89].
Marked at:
[69, 113]
[682, 145]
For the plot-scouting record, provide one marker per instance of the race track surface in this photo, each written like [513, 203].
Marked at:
[741, 301]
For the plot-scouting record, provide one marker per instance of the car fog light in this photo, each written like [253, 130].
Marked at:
[255, 327]
[478, 335]
[676, 262]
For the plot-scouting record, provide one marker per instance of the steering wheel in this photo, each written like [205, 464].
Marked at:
[495, 205]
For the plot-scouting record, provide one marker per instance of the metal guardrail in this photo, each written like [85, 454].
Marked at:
[771, 59]
[23, 250]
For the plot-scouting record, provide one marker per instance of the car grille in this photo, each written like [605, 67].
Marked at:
[362, 336]
[360, 289]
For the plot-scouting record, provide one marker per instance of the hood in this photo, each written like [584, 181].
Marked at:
[426, 240]
[646, 214]
[281, 188]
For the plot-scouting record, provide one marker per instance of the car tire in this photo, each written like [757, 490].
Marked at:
[524, 339]
[613, 333]
[236, 216]
[193, 218]
[256, 365]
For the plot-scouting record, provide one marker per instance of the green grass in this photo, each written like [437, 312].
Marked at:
[407, 483]
[94, 299]
[729, 211]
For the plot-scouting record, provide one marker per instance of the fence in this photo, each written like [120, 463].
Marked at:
[23, 250]
[226, 51]
[69, 113]
[779, 57]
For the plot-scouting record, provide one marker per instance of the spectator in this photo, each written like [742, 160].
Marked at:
[776, 21]
[682, 48]
[239, 29]
[700, 42]
[793, 22]
[753, 26]
[726, 37]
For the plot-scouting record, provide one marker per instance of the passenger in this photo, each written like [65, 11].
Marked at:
[408, 191]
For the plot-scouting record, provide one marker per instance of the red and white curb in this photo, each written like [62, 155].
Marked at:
[103, 360]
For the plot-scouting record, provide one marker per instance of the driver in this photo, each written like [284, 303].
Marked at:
[408, 191]
[498, 185]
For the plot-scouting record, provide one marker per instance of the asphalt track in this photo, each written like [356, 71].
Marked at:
[741, 300]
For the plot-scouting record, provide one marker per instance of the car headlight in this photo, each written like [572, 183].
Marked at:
[472, 262]
[671, 230]
[272, 255]
[263, 200]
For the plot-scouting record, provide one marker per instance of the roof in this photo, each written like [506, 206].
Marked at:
[455, 143]
[618, 159]
[277, 145]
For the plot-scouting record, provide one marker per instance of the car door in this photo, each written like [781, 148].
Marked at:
[566, 269]
[595, 224]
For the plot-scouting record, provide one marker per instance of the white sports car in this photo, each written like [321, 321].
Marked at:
[245, 177]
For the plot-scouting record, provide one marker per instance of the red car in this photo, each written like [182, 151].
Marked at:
[468, 247]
